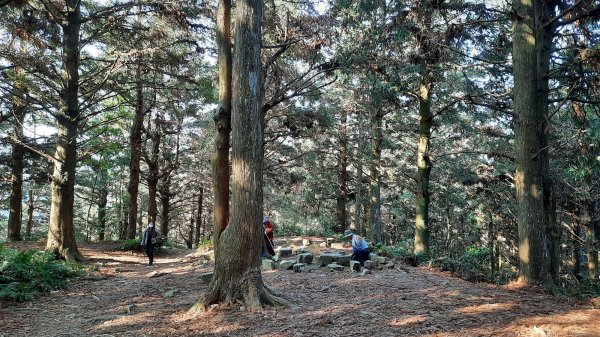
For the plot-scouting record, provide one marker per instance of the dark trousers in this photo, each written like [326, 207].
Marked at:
[360, 255]
[150, 252]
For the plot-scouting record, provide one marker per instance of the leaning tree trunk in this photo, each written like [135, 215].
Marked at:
[16, 194]
[135, 143]
[222, 120]
[423, 168]
[342, 173]
[61, 232]
[237, 275]
[375, 199]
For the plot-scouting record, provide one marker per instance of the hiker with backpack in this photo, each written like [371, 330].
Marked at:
[149, 240]
[360, 247]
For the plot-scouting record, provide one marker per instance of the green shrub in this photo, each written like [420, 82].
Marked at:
[25, 274]
[130, 245]
[585, 289]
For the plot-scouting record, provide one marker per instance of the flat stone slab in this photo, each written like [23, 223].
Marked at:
[334, 267]
[365, 272]
[344, 260]
[298, 267]
[323, 259]
[301, 250]
[378, 259]
[337, 245]
[306, 258]
[286, 264]
[285, 251]
[354, 266]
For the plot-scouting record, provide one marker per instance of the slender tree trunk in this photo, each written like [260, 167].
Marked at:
[135, 143]
[30, 209]
[61, 233]
[531, 47]
[153, 169]
[222, 122]
[491, 246]
[237, 275]
[359, 178]
[16, 194]
[423, 168]
[102, 202]
[165, 202]
[199, 217]
[189, 241]
[342, 172]
[590, 242]
[448, 232]
[375, 198]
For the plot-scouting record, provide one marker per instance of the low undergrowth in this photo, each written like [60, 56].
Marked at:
[24, 274]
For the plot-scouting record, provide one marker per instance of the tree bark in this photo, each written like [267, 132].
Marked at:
[423, 168]
[531, 53]
[222, 121]
[61, 234]
[102, 202]
[135, 143]
[342, 173]
[375, 198]
[30, 209]
[199, 217]
[16, 194]
[359, 178]
[153, 169]
[237, 275]
[165, 203]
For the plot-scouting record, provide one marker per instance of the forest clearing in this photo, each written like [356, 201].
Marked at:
[125, 298]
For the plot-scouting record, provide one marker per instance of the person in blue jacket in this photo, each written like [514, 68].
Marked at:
[360, 247]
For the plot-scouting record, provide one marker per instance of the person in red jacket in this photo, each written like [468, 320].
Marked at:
[268, 248]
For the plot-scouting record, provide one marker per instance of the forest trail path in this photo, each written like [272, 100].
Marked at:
[122, 299]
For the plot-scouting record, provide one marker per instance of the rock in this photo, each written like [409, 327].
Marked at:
[301, 250]
[305, 242]
[276, 257]
[207, 277]
[99, 319]
[334, 267]
[171, 293]
[268, 264]
[378, 259]
[306, 258]
[297, 242]
[298, 267]
[344, 260]
[286, 264]
[538, 332]
[390, 265]
[328, 242]
[365, 272]
[323, 244]
[371, 264]
[285, 251]
[337, 245]
[323, 259]
[354, 266]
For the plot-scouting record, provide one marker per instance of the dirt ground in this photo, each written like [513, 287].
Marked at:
[122, 299]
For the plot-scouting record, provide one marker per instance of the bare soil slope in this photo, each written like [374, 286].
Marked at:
[127, 298]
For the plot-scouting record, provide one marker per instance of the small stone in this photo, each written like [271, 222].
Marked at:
[155, 274]
[300, 250]
[337, 245]
[365, 272]
[305, 242]
[298, 267]
[390, 265]
[276, 257]
[344, 260]
[328, 242]
[378, 259]
[268, 264]
[171, 293]
[131, 309]
[354, 266]
[323, 244]
[370, 264]
[242, 308]
[206, 277]
[305, 258]
[286, 264]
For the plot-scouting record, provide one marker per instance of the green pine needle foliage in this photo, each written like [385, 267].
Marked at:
[24, 274]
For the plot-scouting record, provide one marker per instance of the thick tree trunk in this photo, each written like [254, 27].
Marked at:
[61, 233]
[16, 194]
[222, 120]
[198, 225]
[590, 242]
[375, 197]
[135, 143]
[423, 168]
[237, 274]
[530, 48]
[342, 173]
[153, 169]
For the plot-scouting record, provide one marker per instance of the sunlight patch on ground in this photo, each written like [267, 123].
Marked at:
[409, 320]
[488, 307]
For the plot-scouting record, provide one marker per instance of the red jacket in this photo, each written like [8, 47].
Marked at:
[269, 229]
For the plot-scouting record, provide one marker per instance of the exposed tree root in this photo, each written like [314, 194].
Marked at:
[253, 300]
